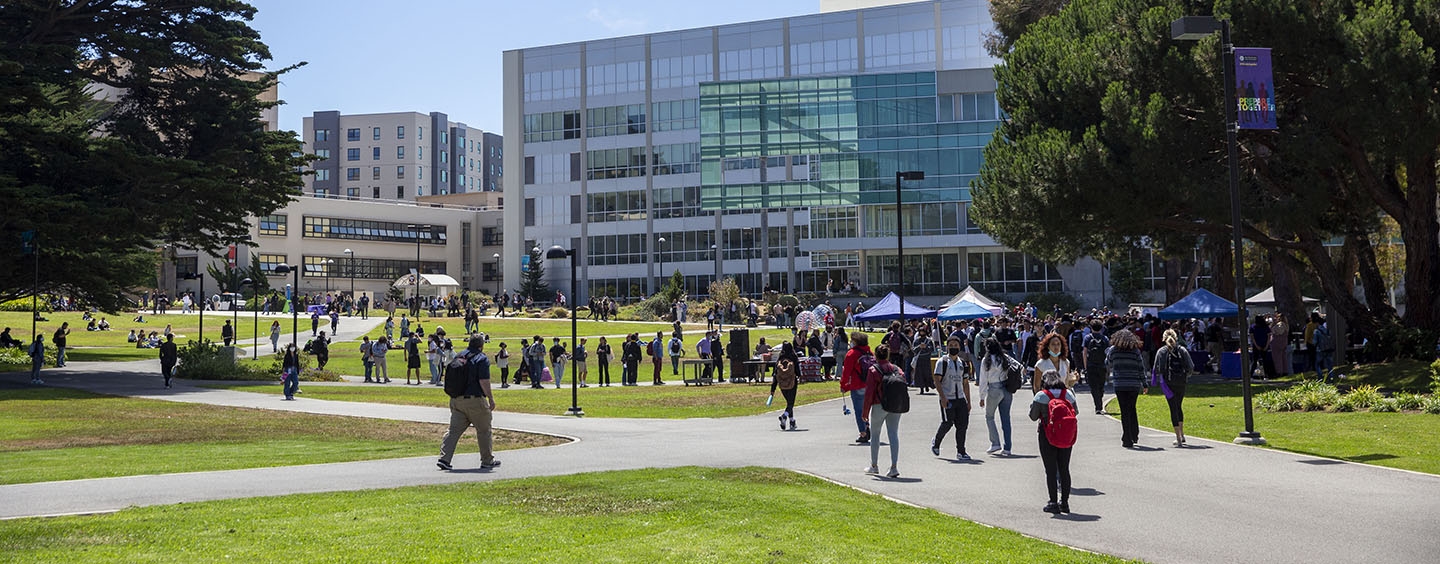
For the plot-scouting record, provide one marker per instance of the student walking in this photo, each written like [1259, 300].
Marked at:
[853, 373]
[472, 403]
[1095, 345]
[1055, 407]
[412, 358]
[227, 333]
[290, 372]
[275, 336]
[321, 349]
[996, 398]
[168, 358]
[37, 358]
[1173, 364]
[631, 358]
[502, 361]
[1128, 367]
[59, 340]
[558, 358]
[677, 349]
[887, 397]
[377, 352]
[602, 362]
[787, 376]
[954, 391]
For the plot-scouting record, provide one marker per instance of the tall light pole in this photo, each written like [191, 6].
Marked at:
[555, 253]
[900, 236]
[496, 296]
[1195, 28]
[749, 256]
[328, 264]
[255, 328]
[201, 277]
[415, 305]
[283, 269]
[659, 254]
[350, 262]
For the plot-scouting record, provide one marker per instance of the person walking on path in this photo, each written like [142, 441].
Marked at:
[1128, 367]
[367, 358]
[581, 371]
[168, 357]
[434, 351]
[954, 391]
[412, 358]
[473, 405]
[227, 333]
[1055, 407]
[787, 376]
[602, 362]
[996, 398]
[1095, 346]
[853, 372]
[314, 323]
[502, 361]
[677, 350]
[558, 357]
[1173, 364]
[290, 372]
[1054, 354]
[320, 347]
[887, 397]
[657, 357]
[382, 368]
[37, 358]
[59, 340]
[630, 357]
[334, 321]
[275, 336]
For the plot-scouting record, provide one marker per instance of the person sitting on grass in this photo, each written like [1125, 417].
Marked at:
[104, 325]
[92, 325]
[6, 341]
[128, 338]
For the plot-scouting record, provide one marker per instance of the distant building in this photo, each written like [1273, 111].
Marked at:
[399, 156]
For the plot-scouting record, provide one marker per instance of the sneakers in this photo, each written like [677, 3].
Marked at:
[962, 456]
[1004, 453]
[1065, 506]
[873, 469]
[893, 473]
[863, 439]
[792, 423]
[1052, 507]
[1099, 412]
[444, 464]
[782, 421]
[36, 381]
[493, 463]
[992, 450]
[935, 449]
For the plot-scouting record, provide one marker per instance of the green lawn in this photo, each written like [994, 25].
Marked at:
[664, 402]
[110, 345]
[672, 515]
[1397, 440]
[59, 434]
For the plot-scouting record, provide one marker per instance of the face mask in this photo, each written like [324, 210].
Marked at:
[954, 351]
[1054, 353]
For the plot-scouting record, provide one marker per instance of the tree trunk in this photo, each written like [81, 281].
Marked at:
[1376, 294]
[1222, 275]
[1338, 286]
[1287, 288]
[1422, 247]
[1174, 290]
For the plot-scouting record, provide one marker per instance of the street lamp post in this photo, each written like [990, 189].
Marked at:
[496, 295]
[900, 236]
[415, 304]
[661, 256]
[555, 253]
[255, 328]
[201, 277]
[328, 264]
[350, 263]
[282, 269]
[749, 259]
[1195, 28]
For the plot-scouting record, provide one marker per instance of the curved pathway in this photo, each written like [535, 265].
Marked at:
[1214, 502]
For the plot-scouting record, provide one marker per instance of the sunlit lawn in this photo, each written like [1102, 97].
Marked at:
[111, 345]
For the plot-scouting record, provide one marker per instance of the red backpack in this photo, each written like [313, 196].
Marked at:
[1060, 427]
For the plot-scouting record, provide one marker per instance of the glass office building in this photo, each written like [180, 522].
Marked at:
[764, 151]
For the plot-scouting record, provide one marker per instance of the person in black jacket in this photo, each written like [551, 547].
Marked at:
[630, 358]
[1174, 365]
[168, 357]
[1128, 367]
[602, 362]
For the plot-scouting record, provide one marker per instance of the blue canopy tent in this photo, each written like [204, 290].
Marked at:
[888, 308]
[1200, 304]
[964, 310]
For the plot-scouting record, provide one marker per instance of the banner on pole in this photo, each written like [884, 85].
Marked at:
[1254, 88]
[27, 242]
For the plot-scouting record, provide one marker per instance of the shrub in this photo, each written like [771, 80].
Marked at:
[206, 360]
[1345, 405]
[1408, 402]
[308, 372]
[1364, 397]
[1435, 377]
[1385, 406]
[1432, 406]
[1287, 399]
[1318, 398]
[789, 300]
[557, 313]
[1398, 341]
[23, 304]
[17, 356]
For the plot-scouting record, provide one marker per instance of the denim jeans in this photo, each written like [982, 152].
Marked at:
[891, 422]
[857, 400]
[59, 356]
[292, 383]
[434, 373]
[369, 368]
[997, 398]
[557, 371]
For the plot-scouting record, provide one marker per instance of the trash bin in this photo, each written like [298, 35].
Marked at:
[1230, 365]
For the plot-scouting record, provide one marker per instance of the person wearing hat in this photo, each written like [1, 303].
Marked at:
[474, 406]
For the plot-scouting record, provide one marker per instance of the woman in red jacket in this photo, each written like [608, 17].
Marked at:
[852, 379]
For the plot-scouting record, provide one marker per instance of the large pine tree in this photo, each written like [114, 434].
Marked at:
[532, 281]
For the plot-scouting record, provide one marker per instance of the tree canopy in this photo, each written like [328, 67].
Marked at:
[173, 152]
[1116, 132]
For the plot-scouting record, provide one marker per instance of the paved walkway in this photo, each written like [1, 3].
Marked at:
[1214, 502]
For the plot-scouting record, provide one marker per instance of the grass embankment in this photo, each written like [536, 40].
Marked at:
[110, 345]
[671, 401]
[1397, 440]
[672, 515]
[58, 434]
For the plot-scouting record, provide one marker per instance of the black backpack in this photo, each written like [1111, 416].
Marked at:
[457, 377]
[894, 392]
[1176, 371]
[1095, 351]
[1014, 374]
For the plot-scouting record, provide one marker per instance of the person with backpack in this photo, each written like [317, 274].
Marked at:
[853, 372]
[290, 372]
[581, 371]
[1128, 367]
[535, 361]
[558, 357]
[168, 357]
[787, 377]
[467, 382]
[1095, 346]
[630, 359]
[954, 391]
[59, 339]
[1174, 365]
[320, 347]
[887, 397]
[602, 362]
[657, 357]
[37, 358]
[677, 350]
[997, 370]
[1054, 408]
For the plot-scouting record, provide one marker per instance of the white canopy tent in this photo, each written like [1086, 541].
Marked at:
[438, 285]
[1267, 297]
[972, 296]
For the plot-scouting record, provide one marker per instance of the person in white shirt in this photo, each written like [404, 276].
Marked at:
[1054, 355]
[954, 391]
[991, 385]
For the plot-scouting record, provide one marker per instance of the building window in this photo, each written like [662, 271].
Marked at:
[617, 249]
[615, 120]
[616, 163]
[374, 153]
[420, 152]
[352, 193]
[352, 154]
[552, 126]
[444, 176]
[400, 192]
[375, 173]
[322, 135]
[322, 174]
[930, 274]
[352, 134]
[1012, 273]
[400, 172]
[444, 157]
[367, 230]
[834, 223]
[375, 192]
[919, 219]
[399, 132]
[444, 137]
[323, 154]
[420, 173]
[420, 132]
[268, 261]
[352, 174]
[366, 268]
[676, 115]
[966, 107]
[552, 84]
[187, 265]
[615, 206]
[273, 224]
[400, 152]
[375, 133]
[685, 246]
[677, 202]
[679, 158]
[491, 237]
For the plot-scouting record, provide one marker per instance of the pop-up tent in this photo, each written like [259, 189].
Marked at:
[972, 296]
[1200, 303]
[438, 285]
[889, 308]
[1267, 297]
[964, 310]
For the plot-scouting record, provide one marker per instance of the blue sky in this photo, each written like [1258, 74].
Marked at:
[369, 56]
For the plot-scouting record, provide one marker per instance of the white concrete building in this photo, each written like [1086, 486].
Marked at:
[399, 156]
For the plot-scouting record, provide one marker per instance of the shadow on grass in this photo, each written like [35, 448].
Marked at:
[1371, 457]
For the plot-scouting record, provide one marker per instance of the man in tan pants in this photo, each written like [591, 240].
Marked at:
[471, 403]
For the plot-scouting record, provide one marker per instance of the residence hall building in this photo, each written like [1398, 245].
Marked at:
[766, 151]
[399, 156]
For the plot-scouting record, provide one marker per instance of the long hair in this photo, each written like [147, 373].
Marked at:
[1126, 340]
[787, 352]
[1171, 339]
[1044, 350]
[992, 350]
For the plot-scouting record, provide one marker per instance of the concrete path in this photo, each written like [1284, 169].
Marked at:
[1213, 502]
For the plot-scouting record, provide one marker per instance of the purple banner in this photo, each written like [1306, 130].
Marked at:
[1254, 88]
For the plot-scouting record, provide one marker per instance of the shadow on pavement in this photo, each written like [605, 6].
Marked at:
[902, 480]
[1086, 491]
[1143, 448]
[1078, 517]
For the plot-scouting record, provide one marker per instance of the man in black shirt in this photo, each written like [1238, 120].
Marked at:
[474, 406]
[168, 356]
[1007, 337]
